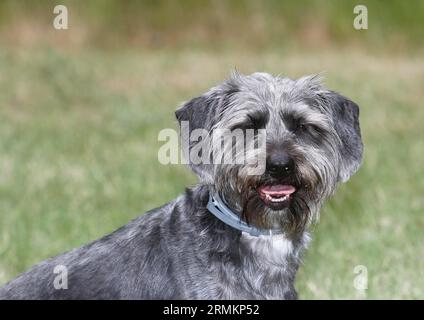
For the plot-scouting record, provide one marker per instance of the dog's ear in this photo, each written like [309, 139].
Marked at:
[203, 113]
[197, 112]
[345, 115]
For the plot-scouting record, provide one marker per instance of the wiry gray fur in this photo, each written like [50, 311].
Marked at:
[181, 251]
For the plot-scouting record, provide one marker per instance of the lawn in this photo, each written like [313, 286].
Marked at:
[78, 155]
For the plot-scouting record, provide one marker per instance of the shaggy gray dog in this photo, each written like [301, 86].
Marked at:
[234, 235]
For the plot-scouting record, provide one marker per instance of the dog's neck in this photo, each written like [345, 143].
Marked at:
[220, 209]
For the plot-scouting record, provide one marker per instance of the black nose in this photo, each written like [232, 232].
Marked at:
[279, 164]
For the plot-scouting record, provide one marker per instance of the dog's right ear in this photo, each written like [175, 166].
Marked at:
[203, 112]
[196, 112]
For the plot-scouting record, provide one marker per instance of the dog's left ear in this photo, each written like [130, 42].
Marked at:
[345, 114]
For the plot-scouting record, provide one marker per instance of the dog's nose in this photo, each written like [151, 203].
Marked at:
[279, 164]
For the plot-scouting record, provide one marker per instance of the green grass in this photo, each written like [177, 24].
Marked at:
[393, 24]
[78, 155]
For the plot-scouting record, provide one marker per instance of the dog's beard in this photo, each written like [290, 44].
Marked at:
[241, 194]
[292, 218]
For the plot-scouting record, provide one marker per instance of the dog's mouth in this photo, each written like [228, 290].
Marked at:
[276, 196]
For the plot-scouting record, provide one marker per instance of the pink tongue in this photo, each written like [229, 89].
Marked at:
[278, 190]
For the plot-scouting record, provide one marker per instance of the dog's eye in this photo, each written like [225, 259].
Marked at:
[293, 124]
[307, 128]
[256, 122]
[299, 127]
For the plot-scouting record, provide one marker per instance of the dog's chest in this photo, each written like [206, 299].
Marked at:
[268, 269]
[274, 250]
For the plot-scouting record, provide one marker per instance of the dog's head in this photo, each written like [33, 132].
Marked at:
[312, 142]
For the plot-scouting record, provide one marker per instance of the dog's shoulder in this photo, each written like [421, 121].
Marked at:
[101, 268]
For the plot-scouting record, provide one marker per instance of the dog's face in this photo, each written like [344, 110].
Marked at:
[312, 137]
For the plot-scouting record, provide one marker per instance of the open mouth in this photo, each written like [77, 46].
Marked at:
[276, 194]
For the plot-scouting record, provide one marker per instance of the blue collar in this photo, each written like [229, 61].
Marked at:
[220, 210]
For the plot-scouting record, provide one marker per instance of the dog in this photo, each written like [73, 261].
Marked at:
[234, 235]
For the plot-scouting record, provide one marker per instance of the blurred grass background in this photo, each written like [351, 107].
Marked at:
[80, 111]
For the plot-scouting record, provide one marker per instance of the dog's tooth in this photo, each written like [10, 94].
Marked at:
[270, 198]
